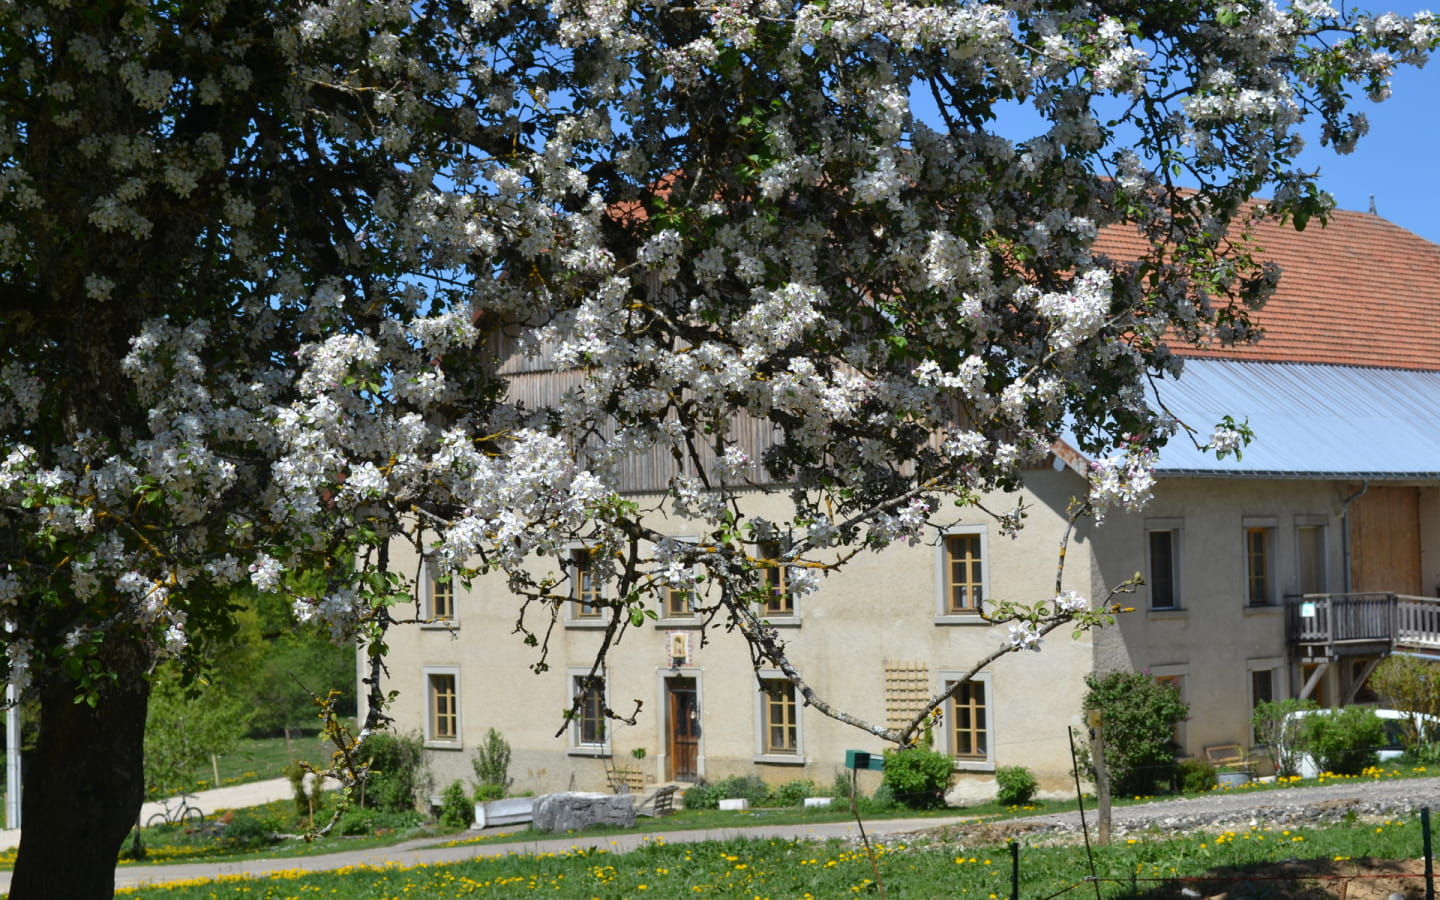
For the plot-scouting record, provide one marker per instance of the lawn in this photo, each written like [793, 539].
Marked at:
[260, 759]
[248, 832]
[775, 869]
[778, 869]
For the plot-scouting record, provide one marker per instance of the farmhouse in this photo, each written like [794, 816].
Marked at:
[1288, 571]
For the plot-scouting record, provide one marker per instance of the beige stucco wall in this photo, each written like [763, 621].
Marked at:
[1215, 640]
[883, 606]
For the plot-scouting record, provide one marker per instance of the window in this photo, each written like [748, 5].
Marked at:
[588, 725]
[442, 724]
[439, 595]
[779, 601]
[1310, 558]
[781, 735]
[1163, 557]
[585, 585]
[967, 731]
[679, 603]
[965, 574]
[1263, 684]
[969, 722]
[1258, 551]
[779, 738]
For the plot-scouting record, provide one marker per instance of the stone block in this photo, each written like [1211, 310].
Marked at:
[578, 810]
[735, 803]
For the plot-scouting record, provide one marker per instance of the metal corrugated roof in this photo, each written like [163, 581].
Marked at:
[1309, 420]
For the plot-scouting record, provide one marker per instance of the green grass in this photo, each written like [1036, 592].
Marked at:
[175, 845]
[795, 869]
[260, 759]
[249, 834]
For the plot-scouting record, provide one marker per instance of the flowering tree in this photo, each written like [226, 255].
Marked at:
[262, 265]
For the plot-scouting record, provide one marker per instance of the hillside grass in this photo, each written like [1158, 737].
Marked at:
[259, 759]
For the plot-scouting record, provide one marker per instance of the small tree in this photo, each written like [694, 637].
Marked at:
[491, 763]
[397, 771]
[1139, 715]
[1411, 685]
[455, 808]
[1279, 732]
[183, 729]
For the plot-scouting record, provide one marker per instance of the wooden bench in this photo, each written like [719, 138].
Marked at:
[660, 803]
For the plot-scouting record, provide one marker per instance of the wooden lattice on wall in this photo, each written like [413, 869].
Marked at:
[907, 688]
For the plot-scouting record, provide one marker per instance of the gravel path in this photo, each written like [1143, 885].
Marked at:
[1363, 799]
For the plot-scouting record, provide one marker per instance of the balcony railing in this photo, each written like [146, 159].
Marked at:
[1395, 620]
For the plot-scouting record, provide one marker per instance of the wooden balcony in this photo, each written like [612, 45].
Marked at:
[1361, 624]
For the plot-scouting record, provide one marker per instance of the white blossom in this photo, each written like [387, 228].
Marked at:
[1024, 636]
[265, 572]
[1071, 602]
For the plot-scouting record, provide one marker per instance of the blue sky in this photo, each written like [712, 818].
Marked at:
[1399, 160]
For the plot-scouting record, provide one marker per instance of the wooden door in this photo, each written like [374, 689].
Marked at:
[683, 724]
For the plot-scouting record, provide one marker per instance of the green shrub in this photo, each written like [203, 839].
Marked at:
[841, 785]
[1138, 715]
[456, 809]
[748, 787]
[1195, 776]
[791, 793]
[1015, 785]
[702, 796]
[1278, 731]
[246, 832]
[485, 792]
[397, 771]
[1427, 754]
[358, 821]
[883, 800]
[1343, 741]
[707, 795]
[918, 777]
[491, 763]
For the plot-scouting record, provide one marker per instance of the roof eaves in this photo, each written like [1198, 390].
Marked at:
[1297, 475]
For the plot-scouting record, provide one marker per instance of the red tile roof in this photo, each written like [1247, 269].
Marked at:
[1361, 291]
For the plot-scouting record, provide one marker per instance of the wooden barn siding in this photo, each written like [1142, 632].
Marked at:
[652, 470]
[1385, 541]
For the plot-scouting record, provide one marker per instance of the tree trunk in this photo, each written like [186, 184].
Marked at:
[85, 781]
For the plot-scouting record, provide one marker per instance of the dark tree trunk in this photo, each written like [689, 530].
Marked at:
[85, 782]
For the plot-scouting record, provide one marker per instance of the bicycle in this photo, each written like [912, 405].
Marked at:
[178, 811]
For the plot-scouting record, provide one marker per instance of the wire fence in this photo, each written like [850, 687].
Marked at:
[1260, 879]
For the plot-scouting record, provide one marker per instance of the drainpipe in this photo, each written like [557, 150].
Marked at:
[1345, 530]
